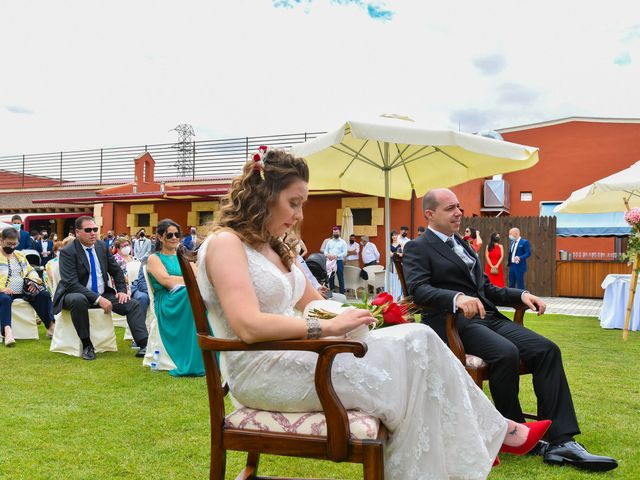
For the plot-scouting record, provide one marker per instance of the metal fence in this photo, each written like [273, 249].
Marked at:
[174, 161]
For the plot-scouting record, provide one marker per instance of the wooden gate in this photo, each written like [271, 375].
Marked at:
[540, 278]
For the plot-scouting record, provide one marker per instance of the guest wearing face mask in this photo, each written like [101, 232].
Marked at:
[353, 252]
[25, 242]
[44, 247]
[336, 251]
[404, 235]
[142, 245]
[122, 256]
[109, 240]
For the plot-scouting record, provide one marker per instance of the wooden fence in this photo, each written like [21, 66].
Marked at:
[540, 278]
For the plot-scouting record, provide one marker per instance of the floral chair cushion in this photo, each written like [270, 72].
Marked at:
[473, 361]
[362, 426]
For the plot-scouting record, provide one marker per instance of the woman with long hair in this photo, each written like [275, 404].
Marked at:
[395, 289]
[472, 236]
[171, 302]
[441, 424]
[494, 256]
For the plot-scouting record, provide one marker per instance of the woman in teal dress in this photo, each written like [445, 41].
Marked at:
[171, 303]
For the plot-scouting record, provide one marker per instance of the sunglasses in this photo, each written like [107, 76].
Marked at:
[89, 230]
[170, 235]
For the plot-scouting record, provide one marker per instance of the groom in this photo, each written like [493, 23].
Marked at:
[444, 274]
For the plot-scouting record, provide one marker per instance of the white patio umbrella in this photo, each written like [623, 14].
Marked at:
[392, 156]
[347, 224]
[616, 193]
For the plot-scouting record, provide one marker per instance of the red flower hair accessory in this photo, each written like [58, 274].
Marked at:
[258, 156]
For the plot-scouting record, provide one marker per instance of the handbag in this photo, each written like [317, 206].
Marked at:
[494, 270]
[26, 285]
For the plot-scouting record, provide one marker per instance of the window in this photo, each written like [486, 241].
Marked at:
[361, 216]
[205, 217]
[526, 196]
[144, 220]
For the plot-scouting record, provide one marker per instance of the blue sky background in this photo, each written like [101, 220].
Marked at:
[86, 74]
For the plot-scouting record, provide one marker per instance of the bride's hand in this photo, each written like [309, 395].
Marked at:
[346, 321]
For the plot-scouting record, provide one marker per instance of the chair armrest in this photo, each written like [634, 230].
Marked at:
[338, 432]
[518, 316]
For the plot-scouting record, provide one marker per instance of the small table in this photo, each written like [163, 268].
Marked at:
[614, 306]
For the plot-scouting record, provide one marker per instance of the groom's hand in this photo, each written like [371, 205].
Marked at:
[470, 306]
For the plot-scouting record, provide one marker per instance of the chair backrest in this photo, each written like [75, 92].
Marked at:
[133, 268]
[145, 272]
[373, 269]
[397, 262]
[352, 278]
[53, 274]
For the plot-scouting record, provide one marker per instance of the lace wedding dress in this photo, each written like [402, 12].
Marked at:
[441, 424]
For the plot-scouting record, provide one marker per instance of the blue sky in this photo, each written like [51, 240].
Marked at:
[86, 74]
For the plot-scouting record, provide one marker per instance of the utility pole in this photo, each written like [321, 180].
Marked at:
[185, 148]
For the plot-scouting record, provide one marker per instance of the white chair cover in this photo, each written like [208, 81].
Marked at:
[154, 343]
[23, 320]
[65, 338]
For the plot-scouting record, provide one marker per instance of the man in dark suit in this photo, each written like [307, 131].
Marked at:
[519, 251]
[444, 274]
[24, 243]
[44, 247]
[84, 268]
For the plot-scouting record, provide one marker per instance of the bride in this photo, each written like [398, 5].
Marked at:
[441, 424]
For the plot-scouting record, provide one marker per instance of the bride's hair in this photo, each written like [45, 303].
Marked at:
[246, 208]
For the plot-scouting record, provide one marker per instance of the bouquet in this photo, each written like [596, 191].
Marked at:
[382, 307]
[632, 217]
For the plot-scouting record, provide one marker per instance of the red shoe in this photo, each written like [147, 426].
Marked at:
[536, 432]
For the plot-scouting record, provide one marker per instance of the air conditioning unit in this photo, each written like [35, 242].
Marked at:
[496, 194]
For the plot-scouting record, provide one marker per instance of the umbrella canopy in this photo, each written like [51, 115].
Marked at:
[606, 195]
[390, 157]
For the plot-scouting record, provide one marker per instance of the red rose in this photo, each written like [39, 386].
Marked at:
[393, 315]
[256, 157]
[381, 299]
[262, 148]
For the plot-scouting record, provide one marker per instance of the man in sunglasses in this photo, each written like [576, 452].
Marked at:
[85, 266]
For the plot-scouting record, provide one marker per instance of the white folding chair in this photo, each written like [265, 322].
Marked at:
[65, 338]
[352, 280]
[154, 343]
[376, 277]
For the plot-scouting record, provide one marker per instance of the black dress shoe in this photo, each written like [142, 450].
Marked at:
[142, 352]
[539, 449]
[574, 454]
[88, 353]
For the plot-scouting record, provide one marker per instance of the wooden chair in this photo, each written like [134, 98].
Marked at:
[476, 367]
[339, 444]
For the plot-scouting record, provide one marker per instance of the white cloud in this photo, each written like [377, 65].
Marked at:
[103, 74]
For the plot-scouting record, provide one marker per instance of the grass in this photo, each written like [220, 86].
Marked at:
[64, 418]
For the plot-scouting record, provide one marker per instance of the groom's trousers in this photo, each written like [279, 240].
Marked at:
[501, 343]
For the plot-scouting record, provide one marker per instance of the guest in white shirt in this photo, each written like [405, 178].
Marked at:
[404, 236]
[353, 252]
[370, 253]
[336, 249]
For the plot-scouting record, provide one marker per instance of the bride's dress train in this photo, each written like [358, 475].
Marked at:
[441, 424]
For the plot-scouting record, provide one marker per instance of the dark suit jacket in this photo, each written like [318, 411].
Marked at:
[523, 250]
[38, 248]
[75, 273]
[25, 242]
[435, 274]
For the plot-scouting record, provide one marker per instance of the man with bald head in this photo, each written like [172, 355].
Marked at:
[519, 251]
[444, 274]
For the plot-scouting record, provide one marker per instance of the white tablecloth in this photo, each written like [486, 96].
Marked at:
[614, 306]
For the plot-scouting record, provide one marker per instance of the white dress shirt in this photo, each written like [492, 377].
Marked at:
[370, 253]
[98, 269]
[353, 246]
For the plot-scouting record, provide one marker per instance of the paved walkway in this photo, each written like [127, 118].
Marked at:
[583, 307]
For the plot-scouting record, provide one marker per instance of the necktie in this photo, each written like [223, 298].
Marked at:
[94, 275]
[459, 250]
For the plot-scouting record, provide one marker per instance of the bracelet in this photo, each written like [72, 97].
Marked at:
[313, 328]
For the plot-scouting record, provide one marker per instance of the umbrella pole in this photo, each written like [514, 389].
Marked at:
[387, 222]
[632, 294]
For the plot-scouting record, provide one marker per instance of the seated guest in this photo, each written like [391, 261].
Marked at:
[14, 268]
[84, 283]
[25, 242]
[444, 274]
[190, 241]
[139, 289]
[171, 303]
[122, 255]
[44, 247]
[47, 274]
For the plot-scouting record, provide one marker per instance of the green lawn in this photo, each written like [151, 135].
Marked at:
[64, 418]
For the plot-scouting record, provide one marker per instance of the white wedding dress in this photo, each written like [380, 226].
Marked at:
[442, 426]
